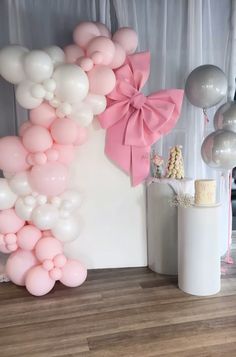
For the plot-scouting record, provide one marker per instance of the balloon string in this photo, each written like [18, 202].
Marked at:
[228, 258]
[206, 121]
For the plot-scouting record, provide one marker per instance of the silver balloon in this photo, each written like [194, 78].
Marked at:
[219, 150]
[225, 117]
[206, 86]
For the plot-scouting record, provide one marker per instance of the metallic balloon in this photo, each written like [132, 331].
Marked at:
[206, 86]
[225, 117]
[219, 150]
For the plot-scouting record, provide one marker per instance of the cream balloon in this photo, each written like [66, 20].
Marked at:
[56, 53]
[70, 200]
[96, 102]
[82, 114]
[45, 216]
[19, 183]
[71, 83]
[7, 196]
[38, 66]
[23, 210]
[24, 96]
[66, 229]
[11, 63]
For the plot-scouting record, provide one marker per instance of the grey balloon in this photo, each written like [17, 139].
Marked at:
[225, 117]
[206, 86]
[219, 150]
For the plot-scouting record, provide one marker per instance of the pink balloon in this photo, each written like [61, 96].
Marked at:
[39, 158]
[66, 153]
[49, 179]
[37, 138]
[64, 131]
[38, 281]
[102, 80]
[48, 248]
[10, 222]
[13, 154]
[52, 155]
[127, 38]
[72, 53]
[24, 126]
[119, 57]
[82, 135]
[59, 260]
[85, 63]
[18, 265]
[84, 33]
[103, 46]
[55, 274]
[43, 115]
[104, 31]
[28, 236]
[73, 273]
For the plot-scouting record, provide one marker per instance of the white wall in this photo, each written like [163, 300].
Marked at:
[113, 212]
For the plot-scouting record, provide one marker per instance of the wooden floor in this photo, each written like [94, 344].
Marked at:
[122, 312]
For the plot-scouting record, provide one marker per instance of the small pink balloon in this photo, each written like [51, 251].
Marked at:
[119, 57]
[49, 179]
[10, 238]
[84, 33]
[104, 46]
[2, 239]
[97, 58]
[52, 155]
[127, 38]
[104, 31]
[66, 153]
[59, 261]
[12, 247]
[55, 274]
[48, 264]
[30, 159]
[73, 273]
[72, 53]
[24, 126]
[82, 135]
[38, 281]
[43, 115]
[102, 80]
[28, 236]
[4, 249]
[39, 158]
[85, 63]
[13, 154]
[47, 233]
[37, 138]
[48, 248]
[64, 131]
[18, 265]
[10, 222]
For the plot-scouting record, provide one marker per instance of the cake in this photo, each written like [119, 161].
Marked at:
[175, 165]
[205, 192]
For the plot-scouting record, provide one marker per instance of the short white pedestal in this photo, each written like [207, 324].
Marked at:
[198, 250]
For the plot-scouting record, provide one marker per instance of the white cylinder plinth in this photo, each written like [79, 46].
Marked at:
[198, 250]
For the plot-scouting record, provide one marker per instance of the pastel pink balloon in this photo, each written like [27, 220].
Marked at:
[119, 56]
[104, 31]
[37, 138]
[28, 236]
[59, 260]
[49, 179]
[72, 53]
[52, 155]
[102, 80]
[24, 126]
[38, 281]
[18, 265]
[73, 273]
[85, 63]
[13, 154]
[66, 153]
[4, 249]
[127, 38]
[10, 222]
[48, 248]
[84, 33]
[39, 158]
[104, 46]
[82, 135]
[55, 274]
[64, 131]
[48, 264]
[43, 115]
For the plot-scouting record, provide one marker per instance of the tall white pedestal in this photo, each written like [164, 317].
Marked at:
[198, 250]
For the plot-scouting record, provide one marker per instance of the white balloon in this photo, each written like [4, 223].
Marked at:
[45, 216]
[72, 83]
[41, 199]
[19, 183]
[65, 108]
[37, 91]
[7, 196]
[66, 229]
[56, 53]
[96, 102]
[49, 95]
[24, 96]
[49, 85]
[54, 102]
[11, 63]
[38, 66]
[22, 210]
[82, 114]
[30, 201]
[71, 200]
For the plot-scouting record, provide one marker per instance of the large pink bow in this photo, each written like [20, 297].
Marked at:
[133, 121]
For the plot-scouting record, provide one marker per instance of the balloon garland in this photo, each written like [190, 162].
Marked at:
[63, 91]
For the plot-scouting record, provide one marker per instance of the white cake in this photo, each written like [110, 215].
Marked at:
[205, 192]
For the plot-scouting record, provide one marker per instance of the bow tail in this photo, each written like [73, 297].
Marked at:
[140, 164]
